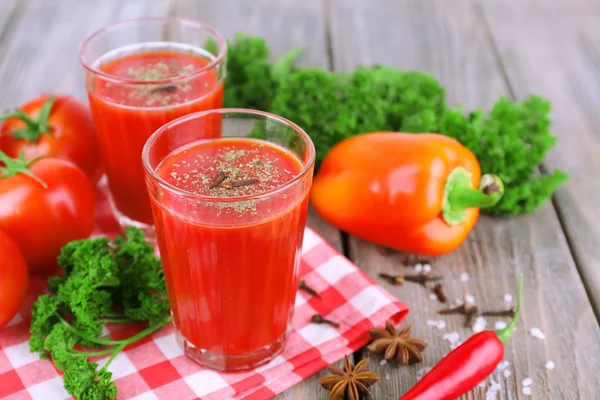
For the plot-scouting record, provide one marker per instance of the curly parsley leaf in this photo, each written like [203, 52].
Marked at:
[102, 282]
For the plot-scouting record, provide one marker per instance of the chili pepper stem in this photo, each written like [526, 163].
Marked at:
[460, 196]
[505, 334]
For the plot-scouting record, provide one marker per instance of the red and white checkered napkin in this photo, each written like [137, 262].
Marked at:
[157, 369]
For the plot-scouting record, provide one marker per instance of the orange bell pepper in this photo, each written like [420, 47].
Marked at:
[412, 192]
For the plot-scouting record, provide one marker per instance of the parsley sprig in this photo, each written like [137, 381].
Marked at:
[103, 282]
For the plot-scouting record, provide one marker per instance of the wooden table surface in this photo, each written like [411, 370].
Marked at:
[479, 49]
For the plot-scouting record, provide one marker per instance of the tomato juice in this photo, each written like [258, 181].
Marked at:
[138, 89]
[230, 235]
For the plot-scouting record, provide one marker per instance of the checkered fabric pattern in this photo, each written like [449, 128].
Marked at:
[156, 368]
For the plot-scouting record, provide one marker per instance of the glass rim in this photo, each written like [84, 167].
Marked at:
[89, 67]
[223, 111]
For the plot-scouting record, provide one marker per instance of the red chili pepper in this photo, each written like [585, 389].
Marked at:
[467, 365]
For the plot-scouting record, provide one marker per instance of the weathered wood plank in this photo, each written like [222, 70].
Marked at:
[41, 52]
[285, 24]
[448, 38]
[8, 11]
[562, 63]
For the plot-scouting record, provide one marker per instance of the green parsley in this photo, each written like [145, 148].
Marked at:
[103, 282]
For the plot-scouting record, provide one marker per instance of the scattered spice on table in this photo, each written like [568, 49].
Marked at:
[399, 345]
[468, 310]
[350, 382]
[318, 319]
[500, 313]
[421, 278]
[438, 290]
[302, 285]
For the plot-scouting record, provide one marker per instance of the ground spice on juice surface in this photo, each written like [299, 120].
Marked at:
[156, 66]
[231, 168]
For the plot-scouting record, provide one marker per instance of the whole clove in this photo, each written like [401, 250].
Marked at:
[164, 89]
[460, 309]
[500, 313]
[220, 178]
[302, 285]
[318, 319]
[421, 279]
[438, 289]
[469, 311]
[240, 183]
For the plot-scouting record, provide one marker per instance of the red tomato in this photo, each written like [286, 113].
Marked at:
[13, 278]
[44, 212]
[58, 126]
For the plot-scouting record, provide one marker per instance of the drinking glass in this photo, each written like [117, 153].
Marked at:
[230, 214]
[141, 74]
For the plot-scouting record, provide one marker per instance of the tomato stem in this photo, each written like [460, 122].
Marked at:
[14, 166]
[34, 128]
[460, 196]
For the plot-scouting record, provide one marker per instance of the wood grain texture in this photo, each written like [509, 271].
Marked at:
[40, 53]
[561, 61]
[8, 13]
[285, 24]
[449, 39]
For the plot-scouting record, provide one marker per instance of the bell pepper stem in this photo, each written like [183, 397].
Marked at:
[459, 195]
[505, 334]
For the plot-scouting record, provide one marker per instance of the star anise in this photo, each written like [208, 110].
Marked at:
[399, 345]
[351, 382]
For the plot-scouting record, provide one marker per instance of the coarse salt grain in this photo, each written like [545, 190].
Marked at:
[479, 325]
[418, 268]
[508, 297]
[503, 365]
[469, 299]
[387, 376]
[527, 391]
[492, 392]
[464, 277]
[427, 268]
[453, 338]
[432, 297]
[383, 362]
[506, 373]
[550, 365]
[537, 333]
[499, 325]
[438, 324]
[527, 382]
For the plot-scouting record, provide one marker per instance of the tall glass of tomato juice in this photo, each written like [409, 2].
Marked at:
[141, 74]
[230, 214]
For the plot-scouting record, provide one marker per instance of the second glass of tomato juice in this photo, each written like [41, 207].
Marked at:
[141, 74]
[230, 214]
